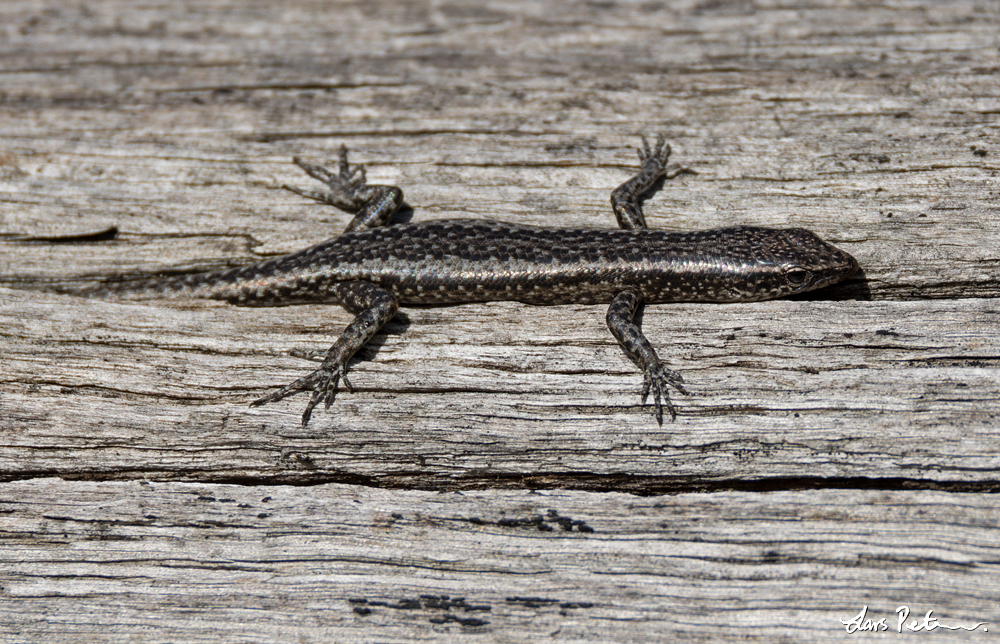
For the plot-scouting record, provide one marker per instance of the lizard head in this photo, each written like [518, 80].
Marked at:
[795, 260]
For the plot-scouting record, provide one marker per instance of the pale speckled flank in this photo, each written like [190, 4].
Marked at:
[374, 267]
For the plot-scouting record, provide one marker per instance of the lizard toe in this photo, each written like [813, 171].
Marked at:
[657, 379]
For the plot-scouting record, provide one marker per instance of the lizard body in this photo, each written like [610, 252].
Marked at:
[374, 267]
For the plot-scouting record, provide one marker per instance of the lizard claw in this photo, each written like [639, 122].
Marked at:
[347, 180]
[657, 378]
[353, 177]
[658, 154]
[346, 186]
[323, 384]
[349, 191]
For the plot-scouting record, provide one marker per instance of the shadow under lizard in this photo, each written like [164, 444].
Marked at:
[375, 266]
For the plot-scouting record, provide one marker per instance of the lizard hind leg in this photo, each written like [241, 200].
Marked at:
[373, 307]
[372, 205]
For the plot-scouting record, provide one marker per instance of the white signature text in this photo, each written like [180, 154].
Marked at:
[861, 622]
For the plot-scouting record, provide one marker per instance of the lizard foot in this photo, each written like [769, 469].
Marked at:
[657, 157]
[657, 379]
[658, 154]
[345, 186]
[322, 382]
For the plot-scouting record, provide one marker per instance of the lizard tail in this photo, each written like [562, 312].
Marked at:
[202, 286]
[254, 285]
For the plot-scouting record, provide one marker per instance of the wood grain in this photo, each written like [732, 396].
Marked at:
[836, 451]
[208, 563]
[781, 390]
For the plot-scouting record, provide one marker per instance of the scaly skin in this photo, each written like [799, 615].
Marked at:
[373, 267]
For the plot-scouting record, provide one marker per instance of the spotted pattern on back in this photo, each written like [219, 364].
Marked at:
[454, 261]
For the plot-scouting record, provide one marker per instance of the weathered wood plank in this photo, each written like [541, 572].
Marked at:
[190, 173]
[780, 390]
[209, 563]
[872, 123]
[903, 179]
[936, 237]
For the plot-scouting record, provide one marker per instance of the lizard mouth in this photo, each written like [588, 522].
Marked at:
[838, 271]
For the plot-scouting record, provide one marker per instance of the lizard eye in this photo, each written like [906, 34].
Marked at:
[797, 275]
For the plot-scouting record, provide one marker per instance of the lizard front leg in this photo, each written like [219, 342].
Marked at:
[625, 198]
[373, 307]
[657, 378]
